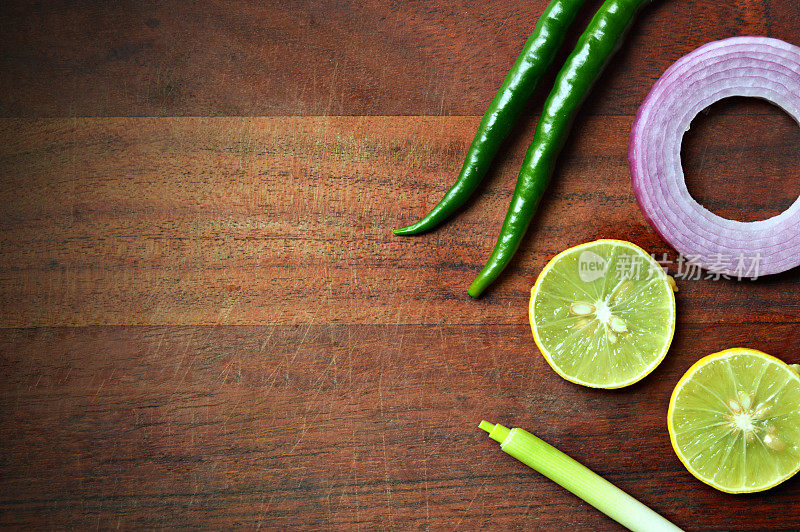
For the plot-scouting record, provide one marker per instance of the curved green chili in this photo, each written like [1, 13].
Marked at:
[520, 83]
[595, 47]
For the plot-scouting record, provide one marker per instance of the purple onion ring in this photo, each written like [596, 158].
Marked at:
[757, 67]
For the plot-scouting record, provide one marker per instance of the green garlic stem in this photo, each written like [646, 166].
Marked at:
[577, 479]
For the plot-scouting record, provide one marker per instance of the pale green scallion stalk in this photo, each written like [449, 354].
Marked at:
[578, 479]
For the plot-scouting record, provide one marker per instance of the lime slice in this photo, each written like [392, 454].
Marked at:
[603, 313]
[734, 420]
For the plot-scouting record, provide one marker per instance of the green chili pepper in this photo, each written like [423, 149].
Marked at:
[595, 47]
[517, 88]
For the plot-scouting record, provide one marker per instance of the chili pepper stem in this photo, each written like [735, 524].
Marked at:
[480, 284]
[476, 288]
[413, 229]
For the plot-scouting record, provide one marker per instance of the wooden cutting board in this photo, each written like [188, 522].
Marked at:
[206, 321]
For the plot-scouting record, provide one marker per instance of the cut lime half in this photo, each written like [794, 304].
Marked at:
[734, 420]
[603, 313]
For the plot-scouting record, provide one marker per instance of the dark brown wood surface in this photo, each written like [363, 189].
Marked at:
[206, 321]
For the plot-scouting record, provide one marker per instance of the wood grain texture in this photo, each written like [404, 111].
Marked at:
[204, 221]
[334, 426]
[323, 57]
[206, 322]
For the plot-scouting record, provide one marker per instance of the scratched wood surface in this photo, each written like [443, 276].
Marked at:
[206, 321]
